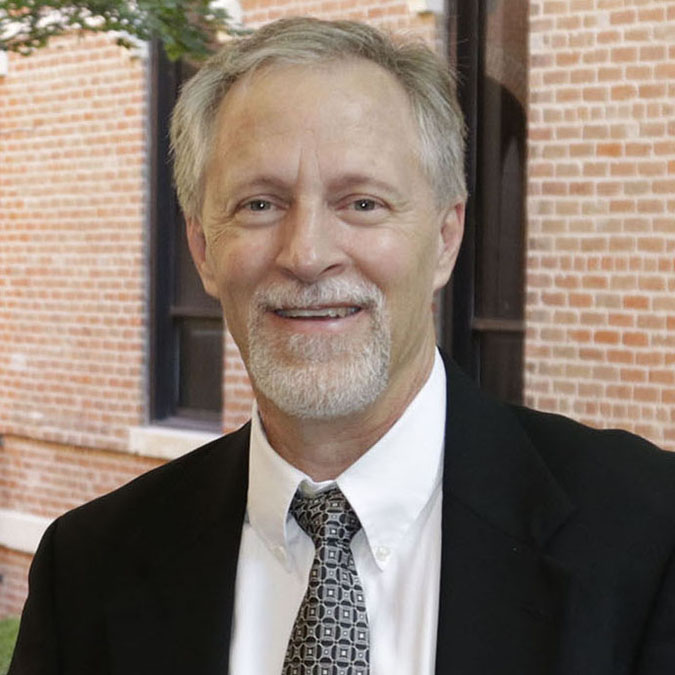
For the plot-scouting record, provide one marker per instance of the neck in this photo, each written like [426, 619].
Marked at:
[325, 448]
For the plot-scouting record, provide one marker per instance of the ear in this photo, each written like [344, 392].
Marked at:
[197, 245]
[450, 239]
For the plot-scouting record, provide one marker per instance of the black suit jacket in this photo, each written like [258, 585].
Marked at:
[557, 557]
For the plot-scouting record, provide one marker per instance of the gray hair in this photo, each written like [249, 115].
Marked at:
[427, 80]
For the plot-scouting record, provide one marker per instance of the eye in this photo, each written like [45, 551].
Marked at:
[365, 205]
[258, 211]
[258, 205]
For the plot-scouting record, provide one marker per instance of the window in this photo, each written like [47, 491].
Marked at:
[484, 308]
[187, 328]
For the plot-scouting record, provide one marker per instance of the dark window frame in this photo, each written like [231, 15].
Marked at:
[166, 242]
[485, 340]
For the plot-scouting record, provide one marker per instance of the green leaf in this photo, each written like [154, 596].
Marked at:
[187, 29]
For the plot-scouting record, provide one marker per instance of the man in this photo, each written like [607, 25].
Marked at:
[379, 514]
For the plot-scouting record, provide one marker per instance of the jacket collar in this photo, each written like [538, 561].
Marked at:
[492, 467]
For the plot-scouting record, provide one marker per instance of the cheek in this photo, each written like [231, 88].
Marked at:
[235, 278]
[402, 268]
[240, 262]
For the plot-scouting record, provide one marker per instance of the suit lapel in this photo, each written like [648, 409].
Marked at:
[501, 598]
[175, 616]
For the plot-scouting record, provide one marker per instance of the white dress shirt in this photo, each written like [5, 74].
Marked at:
[395, 490]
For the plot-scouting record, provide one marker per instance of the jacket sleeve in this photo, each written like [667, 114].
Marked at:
[658, 647]
[36, 651]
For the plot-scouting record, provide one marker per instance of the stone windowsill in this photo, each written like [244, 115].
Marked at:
[166, 442]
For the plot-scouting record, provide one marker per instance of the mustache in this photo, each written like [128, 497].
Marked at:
[358, 292]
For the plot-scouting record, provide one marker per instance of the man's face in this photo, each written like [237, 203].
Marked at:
[322, 238]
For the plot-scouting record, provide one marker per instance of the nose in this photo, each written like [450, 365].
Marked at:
[310, 248]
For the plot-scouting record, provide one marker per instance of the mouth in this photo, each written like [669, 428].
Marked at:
[318, 313]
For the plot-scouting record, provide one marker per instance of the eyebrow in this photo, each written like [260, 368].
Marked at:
[352, 180]
[260, 183]
[341, 183]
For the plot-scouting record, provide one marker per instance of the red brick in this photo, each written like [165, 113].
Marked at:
[568, 95]
[566, 59]
[662, 376]
[639, 72]
[620, 356]
[589, 354]
[623, 169]
[581, 6]
[650, 206]
[595, 93]
[664, 187]
[621, 320]
[649, 359]
[638, 34]
[554, 7]
[569, 23]
[624, 54]
[596, 56]
[646, 394]
[635, 339]
[637, 149]
[652, 91]
[579, 335]
[664, 148]
[652, 14]
[580, 300]
[618, 391]
[652, 53]
[606, 337]
[622, 17]
[633, 375]
[665, 71]
[610, 149]
[609, 37]
[624, 92]
[637, 302]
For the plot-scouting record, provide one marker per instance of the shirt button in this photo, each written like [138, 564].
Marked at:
[382, 553]
[280, 553]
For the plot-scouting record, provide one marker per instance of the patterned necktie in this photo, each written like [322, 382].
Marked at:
[330, 634]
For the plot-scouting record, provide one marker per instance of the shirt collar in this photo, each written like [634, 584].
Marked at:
[388, 487]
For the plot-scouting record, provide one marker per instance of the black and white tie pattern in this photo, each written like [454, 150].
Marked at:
[330, 634]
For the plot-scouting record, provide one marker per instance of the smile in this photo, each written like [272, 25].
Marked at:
[317, 312]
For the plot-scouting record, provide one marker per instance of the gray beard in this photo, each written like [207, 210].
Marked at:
[320, 376]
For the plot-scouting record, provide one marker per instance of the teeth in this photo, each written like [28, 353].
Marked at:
[321, 313]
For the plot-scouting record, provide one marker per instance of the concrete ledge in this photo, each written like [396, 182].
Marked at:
[22, 531]
[165, 442]
[423, 6]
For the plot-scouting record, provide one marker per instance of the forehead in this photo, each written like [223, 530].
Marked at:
[333, 103]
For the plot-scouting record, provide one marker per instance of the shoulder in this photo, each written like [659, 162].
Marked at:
[603, 466]
[192, 486]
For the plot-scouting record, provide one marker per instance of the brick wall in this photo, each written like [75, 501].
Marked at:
[72, 260]
[393, 14]
[601, 201]
[14, 579]
[73, 277]
[46, 479]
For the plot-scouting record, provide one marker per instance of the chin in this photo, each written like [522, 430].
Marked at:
[328, 385]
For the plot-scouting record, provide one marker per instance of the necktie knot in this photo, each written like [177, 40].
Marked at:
[326, 517]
